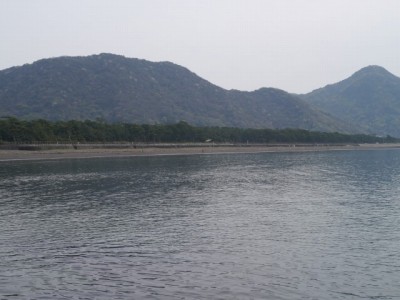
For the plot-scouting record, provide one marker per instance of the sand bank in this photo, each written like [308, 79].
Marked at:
[90, 152]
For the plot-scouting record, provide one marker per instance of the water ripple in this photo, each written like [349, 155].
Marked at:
[260, 226]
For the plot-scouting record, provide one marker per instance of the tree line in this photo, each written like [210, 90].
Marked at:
[13, 130]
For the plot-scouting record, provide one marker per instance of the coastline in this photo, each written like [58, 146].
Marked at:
[96, 152]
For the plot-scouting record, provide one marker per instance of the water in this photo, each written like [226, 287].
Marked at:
[240, 226]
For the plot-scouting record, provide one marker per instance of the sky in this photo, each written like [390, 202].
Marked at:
[294, 45]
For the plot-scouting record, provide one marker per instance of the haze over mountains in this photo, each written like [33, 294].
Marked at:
[119, 89]
[369, 98]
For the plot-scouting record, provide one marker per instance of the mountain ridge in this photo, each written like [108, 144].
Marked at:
[370, 98]
[119, 89]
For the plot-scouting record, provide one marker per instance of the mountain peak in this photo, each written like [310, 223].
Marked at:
[373, 70]
[370, 98]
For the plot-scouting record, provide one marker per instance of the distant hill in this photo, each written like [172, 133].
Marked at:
[369, 98]
[118, 89]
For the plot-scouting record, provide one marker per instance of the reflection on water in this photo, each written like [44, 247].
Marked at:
[264, 226]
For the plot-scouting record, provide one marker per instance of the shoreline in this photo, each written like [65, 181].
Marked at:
[88, 152]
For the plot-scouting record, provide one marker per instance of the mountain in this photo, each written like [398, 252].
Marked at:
[118, 89]
[369, 98]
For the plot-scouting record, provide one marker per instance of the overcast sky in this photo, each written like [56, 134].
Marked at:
[295, 45]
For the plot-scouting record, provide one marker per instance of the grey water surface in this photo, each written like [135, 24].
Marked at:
[323, 225]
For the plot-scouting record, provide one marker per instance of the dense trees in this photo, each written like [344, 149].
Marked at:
[21, 131]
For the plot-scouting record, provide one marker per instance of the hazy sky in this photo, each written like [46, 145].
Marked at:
[295, 45]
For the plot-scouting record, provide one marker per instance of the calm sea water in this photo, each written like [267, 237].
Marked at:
[241, 226]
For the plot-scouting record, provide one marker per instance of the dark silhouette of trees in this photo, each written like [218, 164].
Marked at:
[23, 131]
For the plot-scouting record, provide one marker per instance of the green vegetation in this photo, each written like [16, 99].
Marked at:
[369, 98]
[119, 89]
[13, 130]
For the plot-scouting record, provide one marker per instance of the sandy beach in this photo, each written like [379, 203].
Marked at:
[87, 152]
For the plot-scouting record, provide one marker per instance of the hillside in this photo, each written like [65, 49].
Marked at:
[119, 89]
[369, 98]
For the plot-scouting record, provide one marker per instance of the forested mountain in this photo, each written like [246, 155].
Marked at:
[118, 89]
[369, 98]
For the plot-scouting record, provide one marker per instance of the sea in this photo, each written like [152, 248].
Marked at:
[305, 225]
